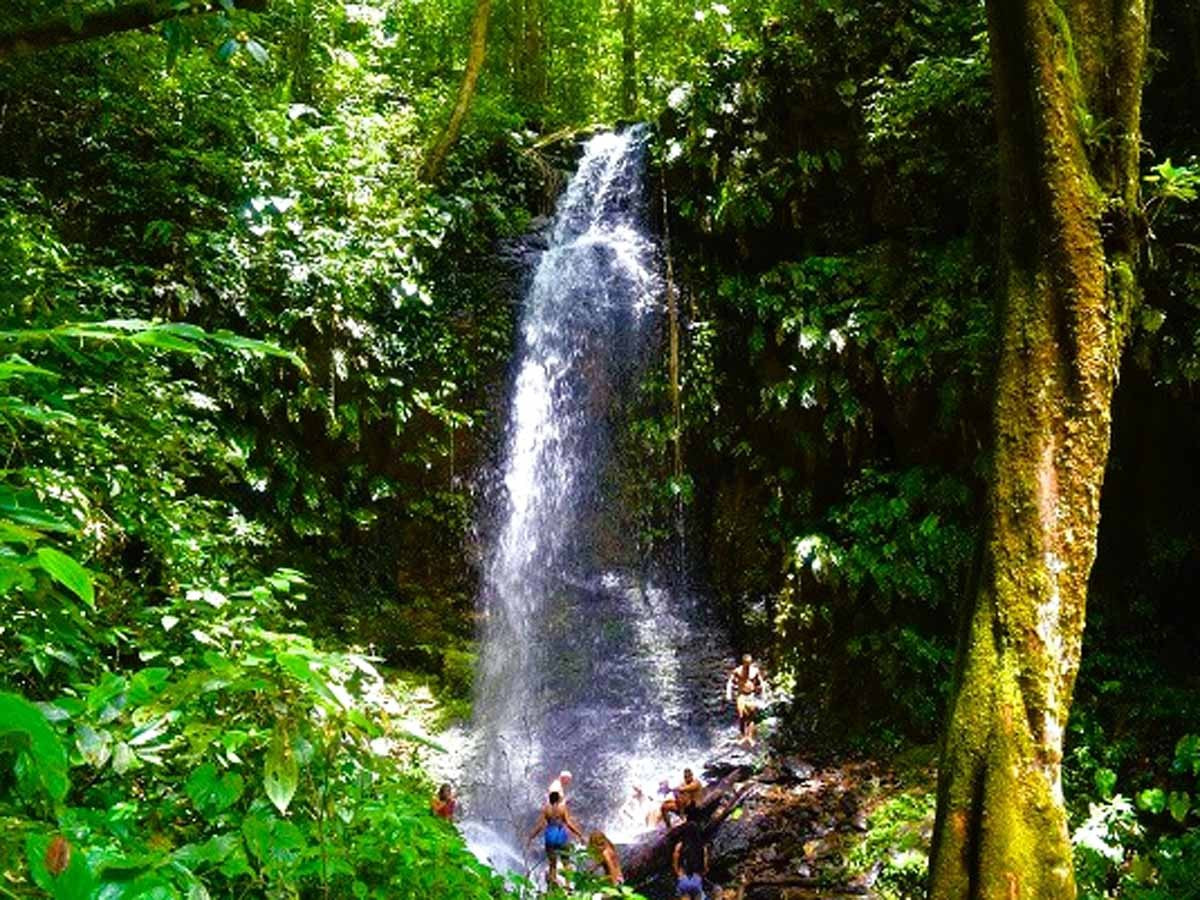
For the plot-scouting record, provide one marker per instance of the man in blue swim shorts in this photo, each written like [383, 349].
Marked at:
[689, 859]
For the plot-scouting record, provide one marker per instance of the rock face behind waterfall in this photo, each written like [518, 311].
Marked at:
[583, 667]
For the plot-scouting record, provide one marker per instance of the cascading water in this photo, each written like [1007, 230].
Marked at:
[594, 671]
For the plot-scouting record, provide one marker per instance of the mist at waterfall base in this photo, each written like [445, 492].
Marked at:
[583, 667]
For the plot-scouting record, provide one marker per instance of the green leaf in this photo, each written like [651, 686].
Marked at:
[1106, 781]
[281, 773]
[211, 793]
[73, 883]
[215, 850]
[226, 50]
[260, 348]
[24, 507]
[68, 573]
[25, 728]
[164, 340]
[1152, 800]
[1187, 754]
[1179, 803]
[258, 52]
[94, 746]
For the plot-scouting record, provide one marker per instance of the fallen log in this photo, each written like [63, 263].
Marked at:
[652, 858]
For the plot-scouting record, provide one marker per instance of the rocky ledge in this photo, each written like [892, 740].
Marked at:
[779, 826]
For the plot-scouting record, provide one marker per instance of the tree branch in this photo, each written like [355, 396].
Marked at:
[102, 23]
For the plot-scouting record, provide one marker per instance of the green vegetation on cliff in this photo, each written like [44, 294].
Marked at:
[251, 364]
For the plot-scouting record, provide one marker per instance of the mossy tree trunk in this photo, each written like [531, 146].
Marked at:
[1068, 81]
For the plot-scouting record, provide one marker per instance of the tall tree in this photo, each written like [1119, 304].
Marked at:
[629, 99]
[436, 158]
[1068, 81]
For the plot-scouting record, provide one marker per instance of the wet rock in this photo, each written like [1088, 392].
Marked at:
[796, 769]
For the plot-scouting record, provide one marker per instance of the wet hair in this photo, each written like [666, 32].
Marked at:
[687, 772]
[555, 796]
[597, 843]
[444, 792]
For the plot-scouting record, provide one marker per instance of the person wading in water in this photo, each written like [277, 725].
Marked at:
[748, 682]
[443, 803]
[555, 821]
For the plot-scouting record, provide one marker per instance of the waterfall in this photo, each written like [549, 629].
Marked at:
[581, 667]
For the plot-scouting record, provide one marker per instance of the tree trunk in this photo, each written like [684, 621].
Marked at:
[534, 81]
[432, 166]
[1068, 82]
[102, 23]
[629, 98]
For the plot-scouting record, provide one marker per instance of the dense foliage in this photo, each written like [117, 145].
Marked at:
[251, 365]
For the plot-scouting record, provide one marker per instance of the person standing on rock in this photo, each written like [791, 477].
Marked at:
[689, 860]
[747, 682]
[555, 821]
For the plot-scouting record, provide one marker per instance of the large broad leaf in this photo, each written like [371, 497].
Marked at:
[24, 728]
[1152, 800]
[73, 882]
[212, 793]
[22, 506]
[277, 845]
[1179, 803]
[281, 772]
[68, 573]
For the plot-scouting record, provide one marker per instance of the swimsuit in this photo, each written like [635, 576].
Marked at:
[556, 836]
[556, 832]
[690, 886]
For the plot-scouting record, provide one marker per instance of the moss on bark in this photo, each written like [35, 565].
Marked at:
[1001, 829]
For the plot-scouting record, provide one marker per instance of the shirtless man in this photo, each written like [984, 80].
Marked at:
[748, 682]
[686, 796]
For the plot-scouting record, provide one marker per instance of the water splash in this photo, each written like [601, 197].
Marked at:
[580, 669]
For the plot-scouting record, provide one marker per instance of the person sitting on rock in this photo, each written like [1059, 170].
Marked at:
[689, 860]
[747, 681]
[686, 797]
